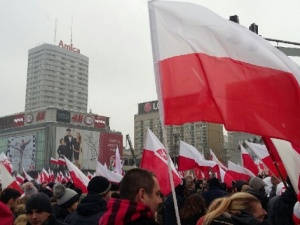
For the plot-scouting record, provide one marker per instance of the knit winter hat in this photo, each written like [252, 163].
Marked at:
[66, 197]
[29, 189]
[39, 201]
[257, 183]
[99, 185]
[296, 211]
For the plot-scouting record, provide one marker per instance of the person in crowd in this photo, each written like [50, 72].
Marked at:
[169, 216]
[8, 201]
[189, 186]
[280, 207]
[21, 220]
[67, 201]
[139, 200]
[39, 210]
[257, 188]
[93, 206]
[194, 208]
[19, 210]
[241, 208]
[238, 185]
[29, 189]
[10, 197]
[214, 191]
[275, 181]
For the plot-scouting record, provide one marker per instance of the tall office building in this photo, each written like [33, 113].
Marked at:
[202, 135]
[57, 76]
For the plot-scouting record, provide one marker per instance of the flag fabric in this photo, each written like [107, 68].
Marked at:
[208, 68]
[154, 158]
[6, 162]
[239, 173]
[262, 153]
[189, 158]
[61, 161]
[118, 164]
[215, 159]
[20, 179]
[26, 175]
[7, 179]
[291, 160]
[226, 178]
[248, 162]
[53, 161]
[89, 175]
[79, 179]
[101, 170]
[44, 176]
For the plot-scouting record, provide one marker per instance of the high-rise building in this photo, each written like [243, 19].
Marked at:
[202, 135]
[57, 76]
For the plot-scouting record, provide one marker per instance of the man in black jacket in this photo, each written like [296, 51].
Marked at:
[139, 200]
[93, 206]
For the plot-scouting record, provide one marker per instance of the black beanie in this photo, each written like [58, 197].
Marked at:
[99, 185]
[39, 201]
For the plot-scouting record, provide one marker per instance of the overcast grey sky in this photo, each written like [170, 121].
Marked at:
[115, 35]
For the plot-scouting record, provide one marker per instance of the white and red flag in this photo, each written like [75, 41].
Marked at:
[53, 161]
[20, 179]
[210, 69]
[239, 173]
[27, 176]
[118, 163]
[6, 162]
[7, 180]
[290, 156]
[102, 170]
[79, 179]
[44, 176]
[226, 178]
[89, 175]
[248, 162]
[215, 159]
[61, 161]
[189, 158]
[154, 158]
[263, 154]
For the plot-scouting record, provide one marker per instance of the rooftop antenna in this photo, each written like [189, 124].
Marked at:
[55, 31]
[71, 29]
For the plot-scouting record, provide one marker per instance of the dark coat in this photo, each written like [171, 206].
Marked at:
[89, 210]
[51, 221]
[213, 193]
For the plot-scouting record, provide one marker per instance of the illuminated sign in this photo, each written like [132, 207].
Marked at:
[88, 120]
[148, 107]
[68, 47]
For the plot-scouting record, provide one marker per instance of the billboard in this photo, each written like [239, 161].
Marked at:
[101, 121]
[21, 151]
[78, 145]
[63, 116]
[108, 143]
[148, 107]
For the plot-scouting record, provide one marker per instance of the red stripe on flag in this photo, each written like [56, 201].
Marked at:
[198, 87]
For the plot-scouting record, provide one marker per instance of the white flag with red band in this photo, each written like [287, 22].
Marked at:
[79, 179]
[239, 173]
[26, 175]
[102, 170]
[210, 69]
[118, 163]
[154, 158]
[248, 162]
[7, 179]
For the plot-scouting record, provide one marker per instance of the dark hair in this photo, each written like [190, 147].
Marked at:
[9, 193]
[193, 205]
[134, 180]
[68, 129]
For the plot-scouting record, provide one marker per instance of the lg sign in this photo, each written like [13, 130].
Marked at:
[148, 107]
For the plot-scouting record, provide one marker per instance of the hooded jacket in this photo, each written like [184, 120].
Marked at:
[125, 212]
[89, 210]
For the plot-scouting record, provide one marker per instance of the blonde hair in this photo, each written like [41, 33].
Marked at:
[21, 220]
[234, 204]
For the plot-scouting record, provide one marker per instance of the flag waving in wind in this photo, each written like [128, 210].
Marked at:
[211, 69]
[154, 158]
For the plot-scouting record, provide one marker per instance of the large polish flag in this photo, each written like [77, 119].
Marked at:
[211, 69]
[6, 162]
[248, 162]
[263, 154]
[215, 159]
[154, 158]
[26, 175]
[8, 180]
[79, 179]
[102, 170]
[118, 163]
[189, 158]
[239, 173]
[226, 178]
[290, 156]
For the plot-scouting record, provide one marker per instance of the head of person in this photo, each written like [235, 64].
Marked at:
[66, 197]
[29, 189]
[140, 185]
[99, 185]
[257, 184]
[38, 209]
[240, 202]
[238, 185]
[193, 205]
[10, 196]
[61, 141]
[69, 131]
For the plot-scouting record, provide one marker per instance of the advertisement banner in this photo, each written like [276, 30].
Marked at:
[19, 120]
[101, 121]
[107, 147]
[63, 116]
[78, 145]
[22, 152]
[148, 107]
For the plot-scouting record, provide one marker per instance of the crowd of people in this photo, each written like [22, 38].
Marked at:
[137, 200]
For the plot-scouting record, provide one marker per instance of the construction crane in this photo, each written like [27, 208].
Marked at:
[130, 146]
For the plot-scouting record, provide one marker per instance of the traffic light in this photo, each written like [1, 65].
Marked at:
[234, 18]
[254, 28]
